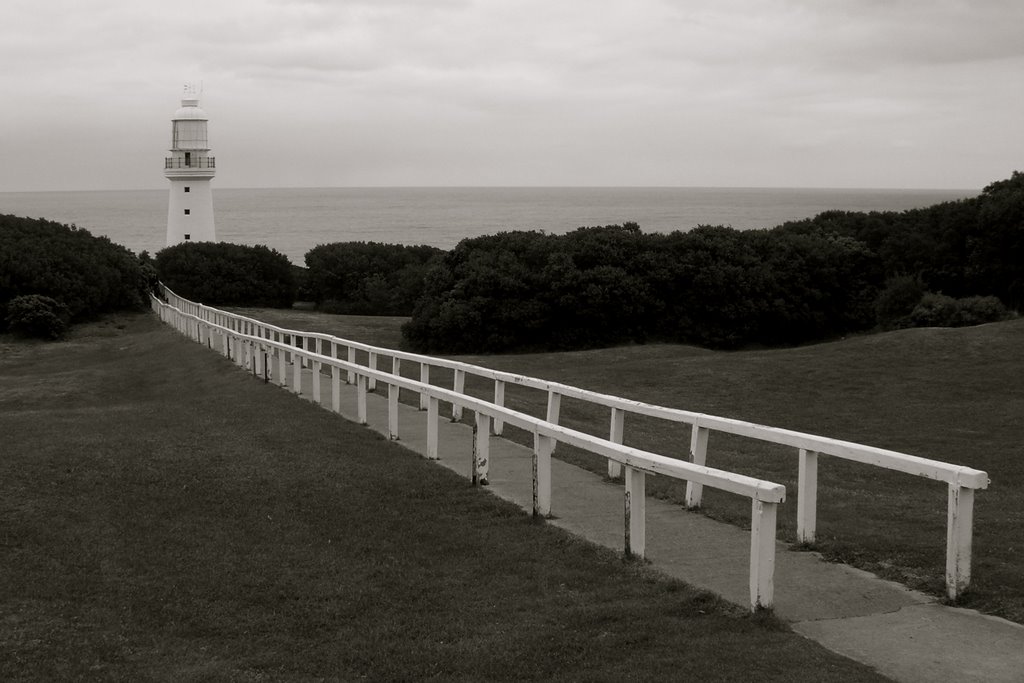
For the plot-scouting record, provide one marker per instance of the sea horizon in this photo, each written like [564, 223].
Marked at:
[837, 188]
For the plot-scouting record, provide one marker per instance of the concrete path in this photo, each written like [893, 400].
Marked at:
[903, 634]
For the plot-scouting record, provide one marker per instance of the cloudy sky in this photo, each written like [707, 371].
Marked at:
[741, 93]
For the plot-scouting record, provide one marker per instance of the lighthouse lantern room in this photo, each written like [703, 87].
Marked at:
[190, 169]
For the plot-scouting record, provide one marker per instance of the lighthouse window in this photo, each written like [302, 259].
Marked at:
[188, 236]
[188, 211]
[187, 189]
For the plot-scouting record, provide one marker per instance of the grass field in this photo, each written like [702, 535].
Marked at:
[164, 516]
[955, 395]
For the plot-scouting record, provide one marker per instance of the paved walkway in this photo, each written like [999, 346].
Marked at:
[903, 634]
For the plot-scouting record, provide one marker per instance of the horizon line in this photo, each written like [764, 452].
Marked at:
[532, 187]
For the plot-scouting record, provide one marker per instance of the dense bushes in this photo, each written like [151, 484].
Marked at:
[938, 310]
[35, 315]
[84, 275]
[223, 274]
[712, 286]
[367, 278]
[952, 264]
[972, 247]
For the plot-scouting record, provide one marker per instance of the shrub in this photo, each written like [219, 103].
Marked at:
[367, 278]
[897, 300]
[713, 286]
[978, 310]
[934, 310]
[88, 275]
[937, 310]
[35, 315]
[223, 274]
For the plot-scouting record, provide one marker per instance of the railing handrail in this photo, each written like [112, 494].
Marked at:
[938, 470]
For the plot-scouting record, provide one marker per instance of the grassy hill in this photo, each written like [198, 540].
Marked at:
[952, 394]
[163, 516]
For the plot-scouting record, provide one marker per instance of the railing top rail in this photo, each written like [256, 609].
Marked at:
[902, 462]
[750, 487]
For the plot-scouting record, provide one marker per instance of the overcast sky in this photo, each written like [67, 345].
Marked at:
[740, 93]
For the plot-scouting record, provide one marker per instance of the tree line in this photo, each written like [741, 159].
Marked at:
[954, 263]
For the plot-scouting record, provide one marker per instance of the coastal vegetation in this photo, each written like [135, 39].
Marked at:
[712, 286]
[367, 278]
[955, 263]
[225, 274]
[169, 518]
[53, 275]
[952, 264]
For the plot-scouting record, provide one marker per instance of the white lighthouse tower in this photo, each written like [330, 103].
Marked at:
[190, 169]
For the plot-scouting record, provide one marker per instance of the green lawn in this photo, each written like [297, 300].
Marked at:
[164, 516]
[955, 395]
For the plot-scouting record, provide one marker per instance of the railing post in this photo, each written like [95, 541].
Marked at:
[315, 365]
[432, 427]
[246, 355]
[498, 426]
[698, 456]
[282, 361]
[636, 513]
[297, 373]
[615, 436]
[459, 387]
[762, 554]
[361, 383]
[481, 449]
[350, 375]
[807, 497]
[542, 447]
[424, 379]
[554, 407]
[336, 388]
[371, 383]
[257, 359]
[393, 411]
[959, 523]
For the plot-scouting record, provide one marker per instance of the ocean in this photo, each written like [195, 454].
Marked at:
[294, 220]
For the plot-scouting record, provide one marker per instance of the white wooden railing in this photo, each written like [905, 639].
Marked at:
[309, 347]
[257, 346]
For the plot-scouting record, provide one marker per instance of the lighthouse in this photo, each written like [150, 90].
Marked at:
[190, 169]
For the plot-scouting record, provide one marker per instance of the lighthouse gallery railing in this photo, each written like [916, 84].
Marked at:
[198, 162]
